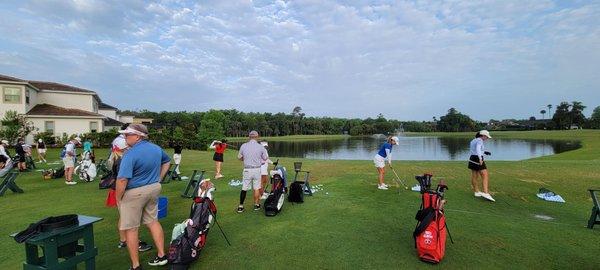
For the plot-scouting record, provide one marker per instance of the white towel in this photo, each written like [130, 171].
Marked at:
[551, 197]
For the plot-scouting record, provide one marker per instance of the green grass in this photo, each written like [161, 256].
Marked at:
[357, 226]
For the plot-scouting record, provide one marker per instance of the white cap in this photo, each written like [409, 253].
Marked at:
[264, 144]
[4, 141]
[485, 133]
[119, 144]
[77, 139]
[40, 140]
[395, 138]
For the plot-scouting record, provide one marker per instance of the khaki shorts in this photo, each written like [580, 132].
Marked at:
[42, 151]
[251, 179]
[379, 161]
[69, 162]
[139, 205]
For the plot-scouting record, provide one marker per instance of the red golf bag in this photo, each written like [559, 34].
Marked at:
[430, 232]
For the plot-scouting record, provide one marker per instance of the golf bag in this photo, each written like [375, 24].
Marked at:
[430, 232]
[274, 201]
[186, 247]
[86, 170]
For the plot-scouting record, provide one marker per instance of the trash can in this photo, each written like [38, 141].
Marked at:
[163, 204]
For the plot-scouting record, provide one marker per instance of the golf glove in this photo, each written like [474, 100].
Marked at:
[487, 153]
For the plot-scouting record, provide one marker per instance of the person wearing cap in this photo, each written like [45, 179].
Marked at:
[69, 159]
[41, 149]
[385, 152]
[219, 147]
[177, 149]
[137, 190]
[264, 172]
[477, 165]
[3, 150]
[119, 146]
[6, 165]
[253, 156]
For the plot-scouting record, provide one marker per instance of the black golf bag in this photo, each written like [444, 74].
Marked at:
[274, 201]
[186, 248]
[430, 232]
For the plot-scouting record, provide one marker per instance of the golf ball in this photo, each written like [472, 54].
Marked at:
[326, 193]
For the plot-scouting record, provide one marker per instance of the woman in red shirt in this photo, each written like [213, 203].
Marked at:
[219, 147]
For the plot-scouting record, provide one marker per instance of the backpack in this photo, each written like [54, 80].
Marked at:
[63, 152]
[296, 192]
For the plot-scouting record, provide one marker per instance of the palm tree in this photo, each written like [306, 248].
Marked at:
[543, 112]
[549, 110]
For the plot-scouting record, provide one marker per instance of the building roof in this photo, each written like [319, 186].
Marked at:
[105, 106]
[109, 122]
[59, 87]
[9, 78]
[47, 109]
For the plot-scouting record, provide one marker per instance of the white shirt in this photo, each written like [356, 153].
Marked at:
[70, 148]
[3, 152]
[476, 147]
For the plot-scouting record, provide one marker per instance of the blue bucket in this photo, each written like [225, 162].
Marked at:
[163, 204]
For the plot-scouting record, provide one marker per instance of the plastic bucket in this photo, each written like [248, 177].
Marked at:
[163, 204]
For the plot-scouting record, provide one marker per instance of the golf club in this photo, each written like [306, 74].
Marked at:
[398, 178]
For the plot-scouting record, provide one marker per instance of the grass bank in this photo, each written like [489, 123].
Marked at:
[354, 225]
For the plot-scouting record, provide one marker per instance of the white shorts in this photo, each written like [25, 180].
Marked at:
[264, 169]
[42, 151]
[251, 179]
[69, 162]
[379, 161]
[177, 158]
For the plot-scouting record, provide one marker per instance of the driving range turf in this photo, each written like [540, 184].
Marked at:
[350, 224]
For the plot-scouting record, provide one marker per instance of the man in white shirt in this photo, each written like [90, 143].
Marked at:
[69, 160]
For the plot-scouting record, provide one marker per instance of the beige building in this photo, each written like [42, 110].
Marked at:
[56, 108]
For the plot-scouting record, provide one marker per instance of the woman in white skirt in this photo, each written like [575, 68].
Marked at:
[385, 152]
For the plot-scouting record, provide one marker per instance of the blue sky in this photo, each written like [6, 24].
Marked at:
[410, 60]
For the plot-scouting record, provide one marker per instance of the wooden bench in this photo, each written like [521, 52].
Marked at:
[595, 217]
[8, 182]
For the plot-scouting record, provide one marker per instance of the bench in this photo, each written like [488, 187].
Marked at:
[8, 182]
[595, 217]
[64, 244]
[167, 178]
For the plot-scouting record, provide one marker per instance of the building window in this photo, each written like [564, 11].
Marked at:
[27, 96]
[49, 126]
[12, 95]
[94, 126]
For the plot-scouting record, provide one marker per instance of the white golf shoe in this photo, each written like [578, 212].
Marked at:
[382, 187]
[478, 194]
[488, 197]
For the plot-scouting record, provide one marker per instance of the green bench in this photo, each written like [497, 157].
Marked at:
[8, 182]
[595, 217]
[61, 248]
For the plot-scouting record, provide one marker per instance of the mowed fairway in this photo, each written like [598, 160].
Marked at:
[356, 226]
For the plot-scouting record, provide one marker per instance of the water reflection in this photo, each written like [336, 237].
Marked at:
[418, 148]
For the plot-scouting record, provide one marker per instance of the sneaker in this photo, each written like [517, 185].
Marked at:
[159, 261]
[144, 246]
[488, 197]
[477, 194]
[240, 209]
[256, 207]
[122, 244]
[217, 176]
[385, 185]
[264, 196]
[382, 187]
[67, 182]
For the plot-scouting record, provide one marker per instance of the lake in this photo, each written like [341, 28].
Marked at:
[417, 148]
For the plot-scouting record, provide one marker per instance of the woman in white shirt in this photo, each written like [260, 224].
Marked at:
[477, 165]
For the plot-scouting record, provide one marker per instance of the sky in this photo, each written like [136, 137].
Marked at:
[409, 60]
